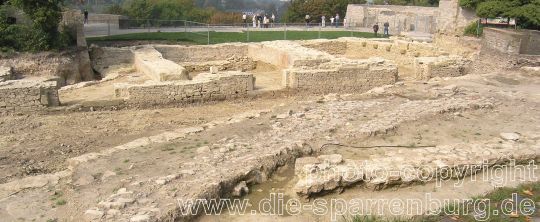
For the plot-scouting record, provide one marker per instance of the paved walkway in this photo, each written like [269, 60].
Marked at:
[104, 29]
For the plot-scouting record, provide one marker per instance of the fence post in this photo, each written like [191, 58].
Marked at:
[108, 27]
[247, 32]
[319, 34]
[477, 28]
[284, 31]
[208, 25]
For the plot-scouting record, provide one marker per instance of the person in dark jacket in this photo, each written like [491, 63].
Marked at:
[386, 27]
[376, 29]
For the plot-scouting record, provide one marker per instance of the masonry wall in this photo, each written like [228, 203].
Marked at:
[5, 73]
[400, 18]
[181, 54]
[343, 79]
[205, 87]
[150, 62]
[444, 66]
[105, 57]
[27, 95]
[453, 19]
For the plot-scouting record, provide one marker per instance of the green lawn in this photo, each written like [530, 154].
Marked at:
[223, 37]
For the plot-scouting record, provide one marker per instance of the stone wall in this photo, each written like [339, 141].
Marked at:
[27, 95]
[181, 54]
[400, 18]
[287, 54]
[113, 20]
[150, 62]
[507, 49]
[448, 18]
[311, 70]
[347, 77]
[106, 57]
[443, 66]
[204, 87]
[46, 64]
[452, 19]
[512, 41]
[400, 51]
[5, 73]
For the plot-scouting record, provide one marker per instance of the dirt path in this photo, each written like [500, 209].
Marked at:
[36, 144]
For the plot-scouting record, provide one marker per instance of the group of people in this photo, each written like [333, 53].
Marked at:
[260, 21]
[386, 29]
[334, 21]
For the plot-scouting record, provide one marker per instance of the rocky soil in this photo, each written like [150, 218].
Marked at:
[134, 165]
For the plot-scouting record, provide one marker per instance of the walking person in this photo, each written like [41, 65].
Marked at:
[244, 20]
[337, 20]
[376, 29]
[386, 27]
[85, 16]
[265, 21]
[273, 20]
[254, 20]
[307, 20]
[331, 21]
[323, 21]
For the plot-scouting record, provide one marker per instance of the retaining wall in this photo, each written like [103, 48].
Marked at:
[27, 95]
[181, 54]
[204, 87]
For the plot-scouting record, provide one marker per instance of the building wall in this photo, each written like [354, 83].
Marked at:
[453, 19]
[447, 18]
[400, 18]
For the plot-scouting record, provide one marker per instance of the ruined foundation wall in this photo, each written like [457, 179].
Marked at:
[27, 95]
[205, 87]
[217, 52]
[308, 69]
[443, 66]
[6, 73]
[333, 47]
[507, 49]
[286, 54]
[401, 51]
[44, 64]
[150, 62]
[357, 78]
[105, 57]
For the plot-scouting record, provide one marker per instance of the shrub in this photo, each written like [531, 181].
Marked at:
[40, 35]
[471, 29]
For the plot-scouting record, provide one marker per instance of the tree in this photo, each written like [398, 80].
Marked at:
[526, 12]
[298, 9]
[46, 16]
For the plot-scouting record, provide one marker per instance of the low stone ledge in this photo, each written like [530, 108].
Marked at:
[27, 95]
[6, 73]
[330, 172]
[150, 62]
[443, 66]
[204, 87]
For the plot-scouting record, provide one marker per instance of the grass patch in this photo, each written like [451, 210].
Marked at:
[223, 37]
[61, 202]
[523, 208]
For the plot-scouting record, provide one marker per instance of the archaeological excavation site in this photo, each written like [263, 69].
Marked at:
[303, 130]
